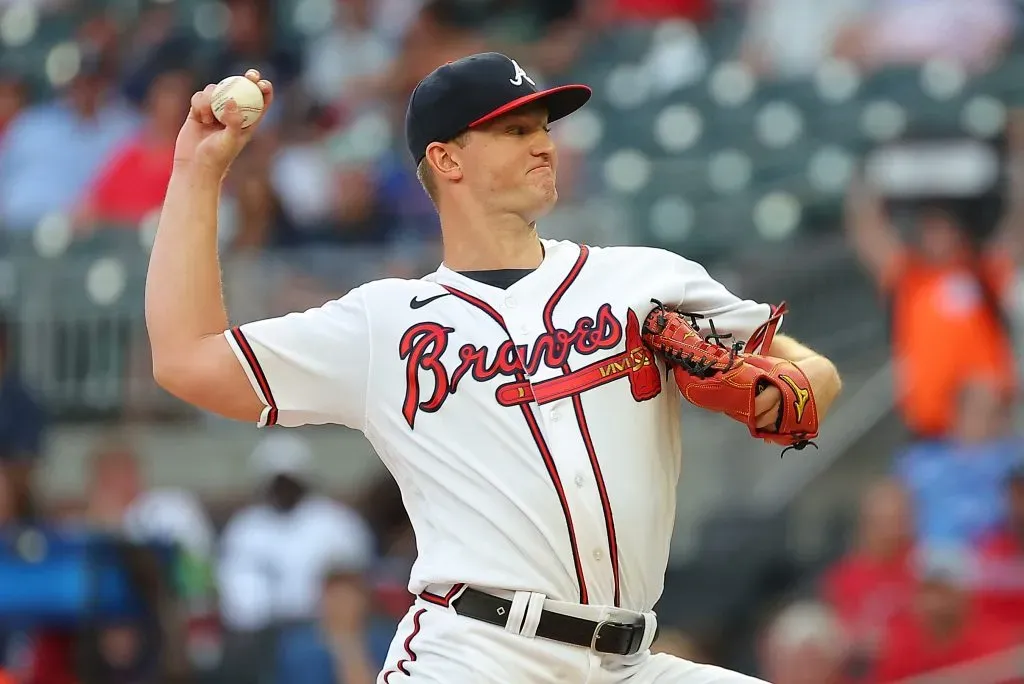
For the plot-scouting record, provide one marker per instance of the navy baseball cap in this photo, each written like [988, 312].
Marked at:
[474, 90]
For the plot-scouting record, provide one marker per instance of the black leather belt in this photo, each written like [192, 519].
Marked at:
[614, 638]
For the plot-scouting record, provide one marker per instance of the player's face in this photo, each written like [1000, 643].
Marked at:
[510, 164]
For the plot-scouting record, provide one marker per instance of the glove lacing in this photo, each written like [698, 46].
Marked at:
[702, 368]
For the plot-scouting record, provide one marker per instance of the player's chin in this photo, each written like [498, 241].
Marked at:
[544, 189]
[543, 205]
[536, 197]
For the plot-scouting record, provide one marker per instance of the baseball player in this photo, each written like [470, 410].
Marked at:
[508, 392]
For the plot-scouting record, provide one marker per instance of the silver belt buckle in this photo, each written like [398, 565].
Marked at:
[597, 635]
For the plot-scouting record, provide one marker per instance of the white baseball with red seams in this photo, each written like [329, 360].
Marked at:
[535, 440]
[246, 94]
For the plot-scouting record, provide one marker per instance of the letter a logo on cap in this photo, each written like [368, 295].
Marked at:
[520, 75]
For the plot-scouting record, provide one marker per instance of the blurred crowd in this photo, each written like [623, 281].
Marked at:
[293, 585]
[288, 585]
[330, 167]
[933, 581]
[93, 143]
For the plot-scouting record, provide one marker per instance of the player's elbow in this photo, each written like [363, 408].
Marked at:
[181, 370]
[208, 376]
[185, 364]
[172, 375]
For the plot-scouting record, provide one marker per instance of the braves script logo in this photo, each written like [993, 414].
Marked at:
[423, 345]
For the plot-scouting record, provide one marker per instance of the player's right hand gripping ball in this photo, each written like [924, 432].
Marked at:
[727, 379]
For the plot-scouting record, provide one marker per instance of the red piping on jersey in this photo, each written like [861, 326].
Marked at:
[400, 666]
[538, 439]
[257, 371]
[581, 419]
[443, 601]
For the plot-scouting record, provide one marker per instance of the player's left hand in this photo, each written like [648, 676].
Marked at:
[824, 382]
[767, 405]
[775, 398]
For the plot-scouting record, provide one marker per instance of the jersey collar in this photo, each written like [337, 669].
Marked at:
[559, 258]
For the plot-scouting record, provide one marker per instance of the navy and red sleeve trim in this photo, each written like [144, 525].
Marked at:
[257, 372]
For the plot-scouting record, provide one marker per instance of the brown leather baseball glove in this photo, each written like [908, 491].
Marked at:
[727, 378]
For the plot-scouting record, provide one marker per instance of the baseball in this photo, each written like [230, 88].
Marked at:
[244, 92]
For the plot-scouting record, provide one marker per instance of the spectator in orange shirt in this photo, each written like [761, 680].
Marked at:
[940, 290]
[944, 629]
[875, 579]
[133, 182]
[1000, 582]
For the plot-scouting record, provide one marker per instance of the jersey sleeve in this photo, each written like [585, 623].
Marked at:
[309, 368]
[704, 295]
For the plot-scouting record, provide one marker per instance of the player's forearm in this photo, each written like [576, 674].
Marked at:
[820, 371]
[810, 361]
[184, 300]
[785, 347]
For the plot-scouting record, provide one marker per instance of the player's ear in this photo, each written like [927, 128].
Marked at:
[444, 161]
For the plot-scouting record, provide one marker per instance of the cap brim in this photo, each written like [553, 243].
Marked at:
[560, 101]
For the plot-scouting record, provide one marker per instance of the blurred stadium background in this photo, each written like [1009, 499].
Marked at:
[785, 144]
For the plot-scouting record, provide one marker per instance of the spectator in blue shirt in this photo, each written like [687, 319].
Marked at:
[958, 484]
[51, 151]
[347, 646]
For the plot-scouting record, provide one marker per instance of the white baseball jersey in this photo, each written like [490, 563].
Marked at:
[534, 438]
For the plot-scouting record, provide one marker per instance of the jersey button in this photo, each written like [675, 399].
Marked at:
[598, 555]
[555, 415]
[510, 302]
[579, 481]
